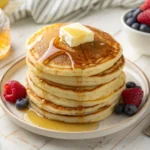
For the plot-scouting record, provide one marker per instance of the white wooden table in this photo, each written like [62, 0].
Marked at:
[13, 137]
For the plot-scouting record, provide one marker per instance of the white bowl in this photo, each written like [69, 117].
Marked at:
[137, 39]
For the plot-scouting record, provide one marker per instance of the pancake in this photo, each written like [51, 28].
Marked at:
[78, 93]
[79, 84]
[58, 109]
[85, 60]
[98, 79]
[109, 99]
[94, 117]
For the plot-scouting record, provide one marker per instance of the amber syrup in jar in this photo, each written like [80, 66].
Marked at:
[5, 42]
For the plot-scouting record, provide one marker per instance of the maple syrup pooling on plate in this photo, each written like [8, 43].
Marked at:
[34, 118]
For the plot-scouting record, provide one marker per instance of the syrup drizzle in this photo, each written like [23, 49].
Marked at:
[52, 50]
[71, 59]
[38, 39]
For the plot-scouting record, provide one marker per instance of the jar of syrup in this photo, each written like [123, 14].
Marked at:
[5, 42]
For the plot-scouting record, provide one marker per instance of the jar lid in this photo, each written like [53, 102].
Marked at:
[4, 21]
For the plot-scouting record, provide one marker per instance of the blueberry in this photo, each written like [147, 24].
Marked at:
[130, 85]
[130, 109]
[130, 21]
[136, 12]
[119, 109]
[22, 103]
[135, 26]
[144, 28]
[128, 15]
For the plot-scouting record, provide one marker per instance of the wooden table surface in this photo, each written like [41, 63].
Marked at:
[13, 137]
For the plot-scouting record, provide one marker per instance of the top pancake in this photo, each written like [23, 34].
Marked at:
[85, 60]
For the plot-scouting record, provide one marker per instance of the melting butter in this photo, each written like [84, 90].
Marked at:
[75, 34]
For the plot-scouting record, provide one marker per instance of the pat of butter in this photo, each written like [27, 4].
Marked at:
[75, 34]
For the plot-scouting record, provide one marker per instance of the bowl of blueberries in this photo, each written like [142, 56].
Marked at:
[136, 25]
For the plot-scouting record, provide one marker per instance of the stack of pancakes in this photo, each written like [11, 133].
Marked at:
[76, 84]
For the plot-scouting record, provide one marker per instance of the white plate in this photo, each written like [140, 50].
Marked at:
[110, 125]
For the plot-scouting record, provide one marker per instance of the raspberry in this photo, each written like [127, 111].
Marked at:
[144, 17]
[132, 96]
[146, 5]
[13, 90]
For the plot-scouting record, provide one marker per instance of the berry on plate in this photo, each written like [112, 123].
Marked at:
[130, 84]
[144, 17]
[119, 109]
[13, 90]
[22, 103]
[145, 5]
[130, 109]
[132, 96]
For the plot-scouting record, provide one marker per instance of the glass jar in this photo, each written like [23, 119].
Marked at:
[5, 42]
[3, 3]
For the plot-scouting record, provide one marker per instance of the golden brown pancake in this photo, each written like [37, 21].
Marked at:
[74, 84]
[94, 117]
[77, 93]
[85, 60]
[97, 79]
[69, 111]
[73, 103]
